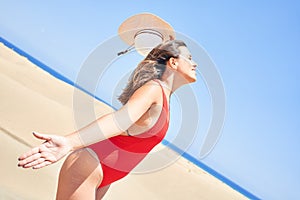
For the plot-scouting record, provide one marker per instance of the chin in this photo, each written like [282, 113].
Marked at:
[192, 79]
[189, 79]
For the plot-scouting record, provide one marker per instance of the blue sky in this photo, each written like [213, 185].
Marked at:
[255, 46]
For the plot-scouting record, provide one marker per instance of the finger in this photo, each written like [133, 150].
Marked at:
[29, 159]
[41, 136]
[29, 153]
[43, 164]
[34, 163]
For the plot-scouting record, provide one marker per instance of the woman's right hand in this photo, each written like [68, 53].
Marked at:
[52, 150]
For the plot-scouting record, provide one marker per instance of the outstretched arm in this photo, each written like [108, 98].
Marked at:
[119, 121]
[56, 147]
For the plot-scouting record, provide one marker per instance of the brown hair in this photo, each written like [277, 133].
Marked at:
[152, 67]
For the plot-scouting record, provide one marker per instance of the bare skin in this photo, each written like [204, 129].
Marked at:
[89, 176]
[81, 181]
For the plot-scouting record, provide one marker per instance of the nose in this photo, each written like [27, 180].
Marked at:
[194, 64]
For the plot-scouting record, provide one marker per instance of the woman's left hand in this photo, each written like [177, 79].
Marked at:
[53, 149]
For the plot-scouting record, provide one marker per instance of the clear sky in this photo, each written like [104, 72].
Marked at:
[255, 46]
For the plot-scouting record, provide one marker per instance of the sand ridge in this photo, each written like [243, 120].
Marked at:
[34, 100]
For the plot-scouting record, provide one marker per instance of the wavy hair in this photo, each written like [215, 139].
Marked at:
[152, 67]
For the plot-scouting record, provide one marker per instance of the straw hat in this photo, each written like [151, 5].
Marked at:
[144, 31]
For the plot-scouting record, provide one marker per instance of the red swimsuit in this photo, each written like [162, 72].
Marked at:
[120, 154]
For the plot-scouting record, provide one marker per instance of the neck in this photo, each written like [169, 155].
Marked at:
[171, 82]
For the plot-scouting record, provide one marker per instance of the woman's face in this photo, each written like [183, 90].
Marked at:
[186, 66]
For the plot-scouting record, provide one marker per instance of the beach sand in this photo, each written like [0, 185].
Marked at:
[34, 100]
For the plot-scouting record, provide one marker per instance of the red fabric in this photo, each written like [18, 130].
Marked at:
[120, 154]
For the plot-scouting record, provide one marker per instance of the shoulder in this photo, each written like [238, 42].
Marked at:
[151, 86]
[150, 90]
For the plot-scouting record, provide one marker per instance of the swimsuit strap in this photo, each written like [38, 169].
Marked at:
[163, 91]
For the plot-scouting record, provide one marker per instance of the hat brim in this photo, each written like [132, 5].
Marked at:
[134, 24]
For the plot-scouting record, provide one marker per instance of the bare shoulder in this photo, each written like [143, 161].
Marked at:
[150, 90]
[152, 84]
[152, 87]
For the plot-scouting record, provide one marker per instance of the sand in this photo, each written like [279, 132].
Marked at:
[34, 100]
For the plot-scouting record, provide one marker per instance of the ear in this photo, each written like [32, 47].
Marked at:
[173, 63]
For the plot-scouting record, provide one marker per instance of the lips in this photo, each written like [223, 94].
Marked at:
[194, 71]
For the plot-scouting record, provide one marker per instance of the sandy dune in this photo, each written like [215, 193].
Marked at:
[33, 100]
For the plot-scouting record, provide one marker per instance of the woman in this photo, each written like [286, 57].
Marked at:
[110, 147]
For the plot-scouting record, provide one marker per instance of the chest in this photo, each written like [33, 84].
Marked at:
[147, 120]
